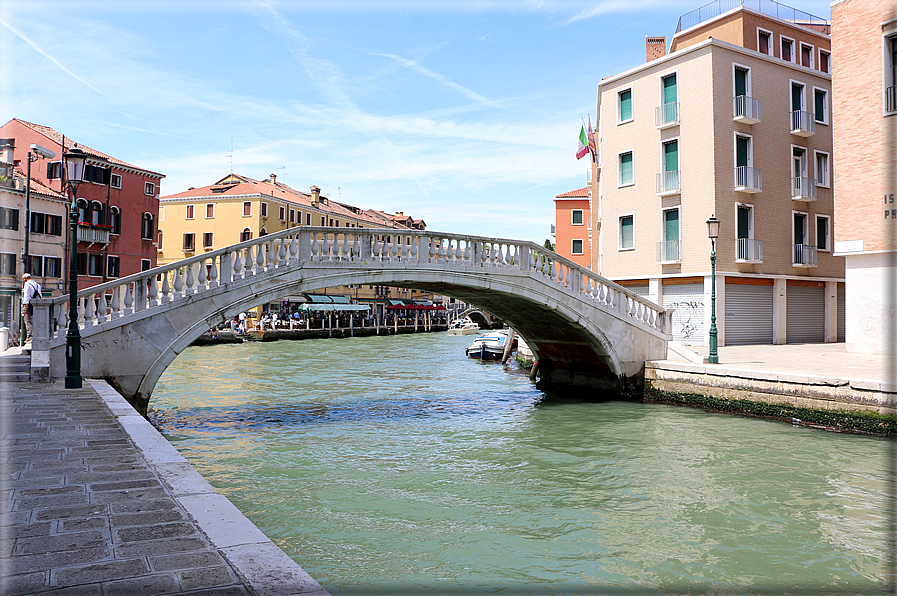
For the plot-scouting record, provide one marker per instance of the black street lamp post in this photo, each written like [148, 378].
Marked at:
[713, 233]
[74, 174]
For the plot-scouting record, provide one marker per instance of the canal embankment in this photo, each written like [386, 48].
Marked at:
[96, 501]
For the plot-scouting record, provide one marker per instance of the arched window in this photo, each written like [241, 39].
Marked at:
[147, 228]
[115, 220]
[263, 232]
[83, 211]
[159, 240]
[246, 235]
[96, 213]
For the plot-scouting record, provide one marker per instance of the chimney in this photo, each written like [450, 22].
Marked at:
[273, 179]
[315, 196]
[655, 47]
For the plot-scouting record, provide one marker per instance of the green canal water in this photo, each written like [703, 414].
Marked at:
[395, 465]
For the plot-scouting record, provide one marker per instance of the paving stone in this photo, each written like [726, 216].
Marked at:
[12, 518]
[78, 525]
[51, 501]
[59, 542]
[121, 441]
[85, 477]
[28, 530]
[6, 546]
[104, 486]
[41, 562]
[56, 490]
[140, 506]
[101, 572]
[186, 561]
[134, 494]
[39, 482]
[84, 590]
[149, 517]
[72, 512]
[228, 591]
[134, 464]
[148, 585]
[133, 534]
[159, 547]
[209, 577]
[53, 465]
[25, 583]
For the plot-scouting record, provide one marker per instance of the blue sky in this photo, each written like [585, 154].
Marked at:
[464, 113]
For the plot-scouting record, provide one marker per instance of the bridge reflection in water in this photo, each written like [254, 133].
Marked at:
[584, 330]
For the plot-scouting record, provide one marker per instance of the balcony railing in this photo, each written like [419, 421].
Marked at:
[803, 124]
[748, 250]
[891, 99]
[803, 189]
[667, 114]
[668, 183]
[770, 7]
[93, 235]
[747, 109]
[804, 255]
[668, 251]
[748, 179]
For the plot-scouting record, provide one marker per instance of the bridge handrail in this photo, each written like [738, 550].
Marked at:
[327, 244]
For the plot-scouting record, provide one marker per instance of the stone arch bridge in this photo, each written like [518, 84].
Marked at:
[584, 330]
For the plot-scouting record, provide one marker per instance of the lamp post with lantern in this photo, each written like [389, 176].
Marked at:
[713, 233]
[75, 160]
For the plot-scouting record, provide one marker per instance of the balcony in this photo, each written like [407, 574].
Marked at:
[747, 110]
[749, 180]
[804, 255]
[92, 233]
[666, 115]
[803, 124]
[668, 252]
[803, 189]
[891, 100]
[748, 250]
[668, 183]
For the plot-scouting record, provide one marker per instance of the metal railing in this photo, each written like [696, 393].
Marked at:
[891, 99]
[668, 251]
[746, 108]
[748, 249]
[769, 7]
[748, 179]
[366, 248]
[667, 114]
[668, 182]
[87, 233]
[804, 254]
[803, 188]
[803, 123]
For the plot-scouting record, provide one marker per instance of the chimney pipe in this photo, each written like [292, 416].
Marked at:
[273, 179]
[655, 47]
[315, 196]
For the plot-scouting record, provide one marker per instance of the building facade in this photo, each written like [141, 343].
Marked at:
[572, 226]
[735, 122]
[118, 205]
[864, 39]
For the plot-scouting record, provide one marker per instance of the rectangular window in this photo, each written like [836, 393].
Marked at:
[671, 225]
[149, 188]
[189, 211]
[95, 265]
[787, 53]
[742, 82]
[323, 221]
[283, 213]
[161, 213]
[112, 267]
[627, 232]
[207, 240]
[671, 156]
[800, 228]
[806, 55]
[626, 176]
[7, 263]
[38, 222]
[797, 97]
[825, 61]
[820, 105]
[116, 182]
[822, 232]
[576, 249]
[54, 170]
[577, 217]
[247, 208]
[745, 223]
[81, 263]
[9, 219]
[54, 225]
[293, 216]
[147, 229]
[53, 267]
[307, 218]
[822, 169]
[97, 174]
[115, 220]
[625, 99]
[764, 43]
[146, 264]
[670, 94]
[210, 210]
[189, 241]
[37, 266]
[264, 210]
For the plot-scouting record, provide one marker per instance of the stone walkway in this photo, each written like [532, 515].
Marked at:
[94, 501]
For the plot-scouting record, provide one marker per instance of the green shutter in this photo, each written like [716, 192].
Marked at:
[796, 95]
[740, 82]
[669, 89]
[742, 150]
[626, 105]
[819, 98]
[744, 222]
[671, 225]
[626, 229]
[626, 168]
[671, 156]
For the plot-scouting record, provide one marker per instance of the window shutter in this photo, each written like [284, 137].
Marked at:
[626, 106]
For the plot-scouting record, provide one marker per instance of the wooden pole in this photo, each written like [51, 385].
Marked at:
[532, 372]
[508, 342]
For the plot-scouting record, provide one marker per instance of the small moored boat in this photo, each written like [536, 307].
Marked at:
[463, 327]
[488, 347]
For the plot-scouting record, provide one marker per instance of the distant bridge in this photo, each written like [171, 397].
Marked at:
[584, 330]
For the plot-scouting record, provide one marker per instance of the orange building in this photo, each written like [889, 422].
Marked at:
[573, 237]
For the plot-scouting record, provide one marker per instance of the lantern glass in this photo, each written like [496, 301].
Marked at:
[74, 166]
[713, 227]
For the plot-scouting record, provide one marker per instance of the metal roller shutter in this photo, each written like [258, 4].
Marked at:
[805, 315]
[748, 314]
[688, 319]
[842, 314]
[640, 290]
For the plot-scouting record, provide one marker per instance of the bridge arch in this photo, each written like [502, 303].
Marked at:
[584, 330]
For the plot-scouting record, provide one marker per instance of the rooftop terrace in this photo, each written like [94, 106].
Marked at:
[768, 7]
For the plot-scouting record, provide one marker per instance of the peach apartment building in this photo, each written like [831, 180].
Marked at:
[572, 230]
[864, 39]
[735, 121]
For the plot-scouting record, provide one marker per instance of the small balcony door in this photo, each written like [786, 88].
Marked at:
[670, 245]
[669, 89]
[799, 163]
[800, 229]
[671, 156]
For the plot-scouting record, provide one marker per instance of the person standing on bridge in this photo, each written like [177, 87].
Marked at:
[30, 290]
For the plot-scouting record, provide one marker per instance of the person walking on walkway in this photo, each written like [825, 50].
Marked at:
[30, 290]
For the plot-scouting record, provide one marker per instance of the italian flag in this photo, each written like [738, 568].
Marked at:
[583, 144]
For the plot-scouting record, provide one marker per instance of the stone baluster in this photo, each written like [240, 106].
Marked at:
[80, 311]
[165, 292]
[248, 263]
[153, 291]
[294, 248]
[129, 300]
[272, 257]
[432, 253]
[314, 246]
[103, 312]
[356, 248]
[202, 276]
[62, 319]
[440, 251]
[282, 252]
[238, 265]
[177, 284]
[213, 274]
[325, 248]
[116, 303]
[259, 258]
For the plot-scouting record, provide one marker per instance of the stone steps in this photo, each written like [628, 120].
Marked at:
[15, 366]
